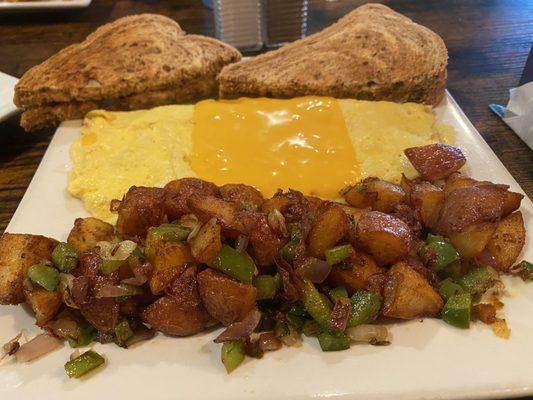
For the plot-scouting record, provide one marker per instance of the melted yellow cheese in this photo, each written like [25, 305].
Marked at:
[299, 143]
[312, 144]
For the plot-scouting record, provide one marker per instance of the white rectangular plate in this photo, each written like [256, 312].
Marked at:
[7, 90]
[46, 5]
[425, 360]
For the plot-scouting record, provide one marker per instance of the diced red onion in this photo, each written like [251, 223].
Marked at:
[241, 329]
[367, 333]
[191, 221]
[340, 314]
[141, 272]
[268, 341]
[120, 251]
[116, 291]
[276, 220]
[37, 347]
[66, 282]
[313, 269]
[288, 283]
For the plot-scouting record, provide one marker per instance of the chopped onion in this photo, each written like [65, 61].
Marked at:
[75, 354]
[241, 329]
[366, 333]
[191, 221]
[268, 341]
[241, 244]
[117, 291]
[37, 347]
[120, 251]
[276, 220]
[288, 284]
[313, 269]
[293, 339]
[141, 272]
[66, 282]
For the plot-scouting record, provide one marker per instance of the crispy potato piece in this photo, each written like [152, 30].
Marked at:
[506, 243]
[376, 193]
[406, 184]
[264, 241]
[360, 196]
[246, 197]
[471, 241]
[180, 312]
[362, 267]
[428, 200]
[177, 193]
[293, 205]
[435, 161]
[407, 294]
[169, 260]
[353, 212]
[18, 252]
[44, 304]
[511, 203]
[458, 181]
[206, 245]
[225, 299]
[89, 231]
[470, 205]
[386, 238]
[141, 208]
[227, 214]
[329, 226]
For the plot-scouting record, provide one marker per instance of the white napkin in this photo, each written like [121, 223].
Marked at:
[519, 114]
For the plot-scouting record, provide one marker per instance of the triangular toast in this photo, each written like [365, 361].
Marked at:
[130, 56]
[372, 53]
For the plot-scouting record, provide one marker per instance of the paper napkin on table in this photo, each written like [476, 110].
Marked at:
[519, 113]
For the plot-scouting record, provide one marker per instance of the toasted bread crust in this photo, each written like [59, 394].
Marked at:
[372, 53]
[128, 56]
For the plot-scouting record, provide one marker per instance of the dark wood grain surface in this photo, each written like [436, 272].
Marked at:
[488, 43]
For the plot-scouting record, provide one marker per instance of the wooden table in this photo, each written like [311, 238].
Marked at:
[488, 42]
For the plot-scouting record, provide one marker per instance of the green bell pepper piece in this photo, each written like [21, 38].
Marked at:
[110, 266]
[477, 281]
[316, 304]
[65, 257]
[457, 310]
[232, 354]
[442, 254]
[123, 332]
[267, 286]
[365, 306]
[434, 238]
[449, 288]
[83, 364]
[337, 292]
[45, 276]
[169, 233]
[329, 342]
[235, 264]
[288, 251]
[86, 333]
[338, 254]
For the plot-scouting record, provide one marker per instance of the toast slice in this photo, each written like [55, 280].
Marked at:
[128, 57]
[372, 53]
